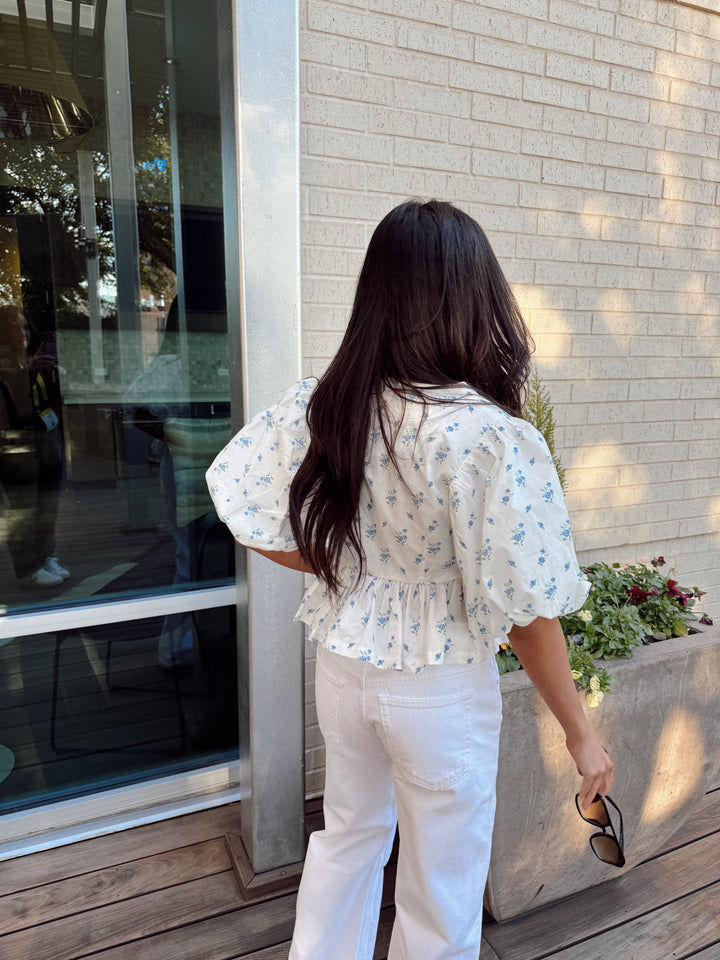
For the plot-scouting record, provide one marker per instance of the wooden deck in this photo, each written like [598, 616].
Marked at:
[167, 892]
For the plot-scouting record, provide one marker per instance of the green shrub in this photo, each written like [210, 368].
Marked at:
[626, 606]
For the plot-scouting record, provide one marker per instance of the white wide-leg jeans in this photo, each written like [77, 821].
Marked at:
[419, 750]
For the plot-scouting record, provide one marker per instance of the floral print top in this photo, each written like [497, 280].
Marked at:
[473, 536]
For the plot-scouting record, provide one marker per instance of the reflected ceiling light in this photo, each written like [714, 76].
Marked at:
[39, 99]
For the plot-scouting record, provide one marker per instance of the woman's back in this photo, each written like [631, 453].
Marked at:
[469, 536]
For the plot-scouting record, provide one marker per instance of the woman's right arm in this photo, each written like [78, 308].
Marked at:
[291, 558]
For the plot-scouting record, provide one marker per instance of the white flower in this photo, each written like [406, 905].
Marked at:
[576, 675]
[585, 616]
[594, 698]
[595, 683]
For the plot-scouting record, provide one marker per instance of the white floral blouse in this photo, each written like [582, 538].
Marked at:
[475, 539]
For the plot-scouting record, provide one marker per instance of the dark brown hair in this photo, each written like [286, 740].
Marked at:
[431, 307]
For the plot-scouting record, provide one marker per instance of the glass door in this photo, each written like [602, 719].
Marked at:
[119, 651]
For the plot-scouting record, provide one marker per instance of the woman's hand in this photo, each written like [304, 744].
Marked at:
[594, 766]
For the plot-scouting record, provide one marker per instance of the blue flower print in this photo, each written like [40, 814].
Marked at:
[477, 485]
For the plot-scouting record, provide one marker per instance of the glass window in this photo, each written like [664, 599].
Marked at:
[114, 376]
[114, 391]
[87, 710]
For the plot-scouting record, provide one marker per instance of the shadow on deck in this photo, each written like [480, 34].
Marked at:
[167, 891]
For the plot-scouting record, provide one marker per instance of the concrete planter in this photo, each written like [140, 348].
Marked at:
[662, 727]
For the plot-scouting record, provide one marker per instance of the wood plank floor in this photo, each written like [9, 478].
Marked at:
[167, 891]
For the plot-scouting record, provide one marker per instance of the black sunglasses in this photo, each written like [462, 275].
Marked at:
[606, 846]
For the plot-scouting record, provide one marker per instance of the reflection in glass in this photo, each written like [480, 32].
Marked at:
[93, 709]
[111, 248]
[31, 452]
[114, 390]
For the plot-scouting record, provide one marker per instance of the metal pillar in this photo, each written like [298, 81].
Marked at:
[259, 93]
[86, 187]
[122, 185]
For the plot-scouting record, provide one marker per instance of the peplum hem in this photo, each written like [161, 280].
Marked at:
[394, 624]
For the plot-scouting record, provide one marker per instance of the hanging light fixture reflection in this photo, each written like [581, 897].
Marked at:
[39, 99]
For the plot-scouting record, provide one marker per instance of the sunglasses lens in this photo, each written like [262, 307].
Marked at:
[607, 849]
[596, 813]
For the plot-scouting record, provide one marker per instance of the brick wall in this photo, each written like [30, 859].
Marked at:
[584, 135]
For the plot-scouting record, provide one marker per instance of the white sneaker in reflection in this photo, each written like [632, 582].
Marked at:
[53, 565]
[41, 578]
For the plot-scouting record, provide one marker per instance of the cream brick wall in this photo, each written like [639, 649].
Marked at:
[584, 135]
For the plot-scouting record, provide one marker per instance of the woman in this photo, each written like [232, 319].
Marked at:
[31, 452]
[434, 521]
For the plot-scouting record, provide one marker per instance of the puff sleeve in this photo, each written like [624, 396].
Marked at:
[249, 480]
[512, 533]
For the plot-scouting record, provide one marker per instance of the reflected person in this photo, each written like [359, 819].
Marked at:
[31, 452]
[184, 445]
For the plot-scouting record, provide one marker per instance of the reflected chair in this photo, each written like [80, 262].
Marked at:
[208, 530]
[174, 671]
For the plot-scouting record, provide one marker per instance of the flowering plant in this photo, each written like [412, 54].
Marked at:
[626, 606]
[594, 680]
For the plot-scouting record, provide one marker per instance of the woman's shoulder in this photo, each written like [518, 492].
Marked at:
[296, 396]
[495, 437]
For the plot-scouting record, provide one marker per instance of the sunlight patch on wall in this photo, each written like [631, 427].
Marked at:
[600, 457]
[547, 324]
[681, 747]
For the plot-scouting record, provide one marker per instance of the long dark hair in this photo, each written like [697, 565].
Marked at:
[432, 307]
